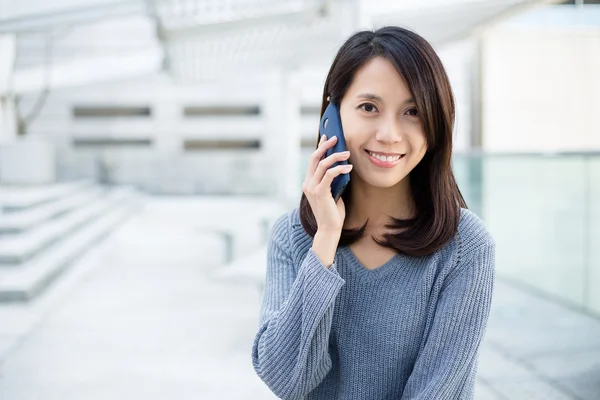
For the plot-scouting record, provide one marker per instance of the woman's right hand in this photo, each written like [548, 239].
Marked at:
[317, 187]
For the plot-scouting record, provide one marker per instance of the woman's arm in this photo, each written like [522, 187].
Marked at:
[447, 363]
[290, 351]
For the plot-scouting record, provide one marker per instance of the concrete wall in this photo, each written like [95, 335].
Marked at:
[164, 166]
[541, 89]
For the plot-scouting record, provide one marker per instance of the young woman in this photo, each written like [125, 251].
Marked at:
[386, 293]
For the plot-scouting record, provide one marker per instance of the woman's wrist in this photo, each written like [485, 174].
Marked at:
[325, 245]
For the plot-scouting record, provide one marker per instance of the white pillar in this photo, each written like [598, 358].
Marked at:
[166, 115]
[167, 149]
[362, 17]
[346, 16]
[282, 140]
[8, 128]
[22, 160]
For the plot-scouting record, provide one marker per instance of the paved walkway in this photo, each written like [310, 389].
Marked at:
[140, 317]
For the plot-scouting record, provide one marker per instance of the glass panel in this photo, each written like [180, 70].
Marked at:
[593, 288]
[534, 207]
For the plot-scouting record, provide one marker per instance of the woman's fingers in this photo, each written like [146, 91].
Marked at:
[317, 155]
[316, 185]
[331, 173]
[325, 164]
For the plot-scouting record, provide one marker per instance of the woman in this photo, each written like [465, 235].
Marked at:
[386, 293]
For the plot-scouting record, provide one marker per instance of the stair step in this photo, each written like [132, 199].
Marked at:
[24, 282]
[25, 219]
[21, 247]
[13, 198]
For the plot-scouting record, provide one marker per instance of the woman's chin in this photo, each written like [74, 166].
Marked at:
[382, 182]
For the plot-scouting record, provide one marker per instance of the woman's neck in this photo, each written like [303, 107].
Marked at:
[378, 204]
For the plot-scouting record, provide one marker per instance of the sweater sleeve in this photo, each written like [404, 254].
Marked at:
[290, 351]
[446, 366]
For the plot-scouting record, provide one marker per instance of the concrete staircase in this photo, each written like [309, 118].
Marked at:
[44, 228]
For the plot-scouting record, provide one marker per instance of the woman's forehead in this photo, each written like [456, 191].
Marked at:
[379, 80]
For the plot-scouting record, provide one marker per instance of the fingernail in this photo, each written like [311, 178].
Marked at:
[322, 137]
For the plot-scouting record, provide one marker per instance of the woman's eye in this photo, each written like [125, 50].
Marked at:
[412, 112]
[368, 107]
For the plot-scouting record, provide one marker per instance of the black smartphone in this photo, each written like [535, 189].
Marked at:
[331, 125]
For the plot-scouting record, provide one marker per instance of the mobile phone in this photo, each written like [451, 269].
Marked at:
[331, 125]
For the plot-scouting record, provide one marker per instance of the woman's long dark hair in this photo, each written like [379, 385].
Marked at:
[435, 193]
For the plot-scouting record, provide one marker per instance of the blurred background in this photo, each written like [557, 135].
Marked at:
[147, 146]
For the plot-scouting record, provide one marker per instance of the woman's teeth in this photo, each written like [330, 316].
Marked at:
[384, 158]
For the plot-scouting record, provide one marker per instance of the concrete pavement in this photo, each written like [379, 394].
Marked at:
[141, 316]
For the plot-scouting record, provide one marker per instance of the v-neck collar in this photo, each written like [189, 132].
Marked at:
[364, 273]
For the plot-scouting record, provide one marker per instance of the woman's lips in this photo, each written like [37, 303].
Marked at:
[384, 164]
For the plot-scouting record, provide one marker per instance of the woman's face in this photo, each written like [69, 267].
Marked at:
[381, 125]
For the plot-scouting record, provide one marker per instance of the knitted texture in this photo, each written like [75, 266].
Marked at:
[409, 329]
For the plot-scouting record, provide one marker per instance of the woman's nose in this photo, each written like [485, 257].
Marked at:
[389, 133]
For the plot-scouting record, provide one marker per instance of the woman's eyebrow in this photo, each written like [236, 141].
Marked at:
[371, 96]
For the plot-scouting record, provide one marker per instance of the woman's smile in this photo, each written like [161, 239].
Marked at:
[384, 160]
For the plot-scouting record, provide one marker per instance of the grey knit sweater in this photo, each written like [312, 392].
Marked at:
[409, 329]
